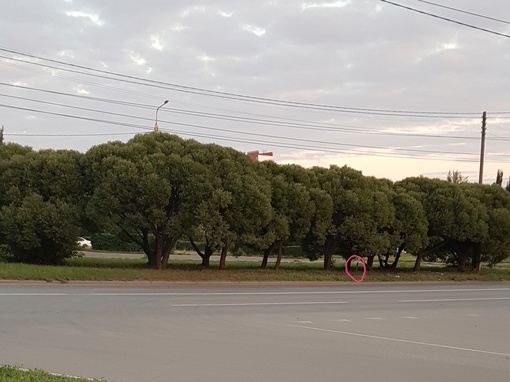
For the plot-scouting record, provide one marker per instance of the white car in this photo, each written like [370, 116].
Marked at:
[84, 243]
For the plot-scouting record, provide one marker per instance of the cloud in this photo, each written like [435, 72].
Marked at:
[336, 4]
[80, 90]
[257, 31]
[137, 58]
[92, 17]
[156, 43]
[359, 54]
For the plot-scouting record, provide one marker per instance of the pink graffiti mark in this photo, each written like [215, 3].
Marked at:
[349, 273]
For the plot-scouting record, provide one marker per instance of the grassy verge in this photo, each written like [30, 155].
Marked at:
[91, 269]
[10, 373]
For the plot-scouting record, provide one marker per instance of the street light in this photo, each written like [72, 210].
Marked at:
[156, 127]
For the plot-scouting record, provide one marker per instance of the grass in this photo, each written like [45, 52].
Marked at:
[15, 374]
[93, 269]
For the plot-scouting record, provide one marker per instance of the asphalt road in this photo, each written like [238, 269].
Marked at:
[232, 333]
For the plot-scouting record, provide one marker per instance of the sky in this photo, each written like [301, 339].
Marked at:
[369, 84]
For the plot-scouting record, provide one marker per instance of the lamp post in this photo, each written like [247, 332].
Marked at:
[156, 127]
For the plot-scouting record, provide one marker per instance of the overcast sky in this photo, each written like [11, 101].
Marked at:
[380, 88]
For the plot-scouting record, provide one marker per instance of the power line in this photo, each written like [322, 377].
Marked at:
[466, 12]
[227, 95]
[446, 19]
[230, 131]
[294, 124]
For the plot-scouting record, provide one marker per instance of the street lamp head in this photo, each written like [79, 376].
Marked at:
[164, 103]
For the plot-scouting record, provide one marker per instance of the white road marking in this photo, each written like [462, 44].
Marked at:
[262, 304]
[342, 320]
[457, 299]
[374, 318]
[303, 322]
[410, 318]
[156, 294]
[404, 341]
[34, 294]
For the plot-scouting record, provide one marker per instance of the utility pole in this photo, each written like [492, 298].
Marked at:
[2, 136]
[482, 149]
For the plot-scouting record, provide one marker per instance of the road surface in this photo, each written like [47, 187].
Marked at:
[232, 333]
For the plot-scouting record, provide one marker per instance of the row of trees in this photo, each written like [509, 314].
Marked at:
[157, 189]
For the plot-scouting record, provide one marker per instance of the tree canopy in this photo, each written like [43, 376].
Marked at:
[156, 189]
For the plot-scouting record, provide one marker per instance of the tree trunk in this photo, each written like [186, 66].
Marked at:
[327, 261]
[223, 255]
[417, 263]
[151, 258]
[205, 261]
[383, 263]
[477, 258]
[370, 263]
[170, 243]
[158, 253]
[280, 253]
[397, 257]
[462, 261]
[267, 252]
[206, 257]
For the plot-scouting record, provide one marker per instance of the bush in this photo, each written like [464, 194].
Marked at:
[185, 245]
[113, 243]
[38, 231]
[5, 254]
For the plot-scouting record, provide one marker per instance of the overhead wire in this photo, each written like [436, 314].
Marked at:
[465, 12]
[446, 19]
[226, 95]
[384, 112]
[251, 134]
[293, 124]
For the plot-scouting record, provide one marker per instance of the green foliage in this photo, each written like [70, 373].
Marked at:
[114, 243]
[10, 373]
[39, 231]
[499, 178]
[157, 189]
[456, 177]
[5, 254]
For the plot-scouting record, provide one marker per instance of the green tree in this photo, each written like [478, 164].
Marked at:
[39, 231]
[149, 188]
[52, 176]
[251, 205]
[237, 202]
[292, 211]
[369, 216]
[409, 230]
[499, 178]
[457, 222]
[319, 239]
[496, 244]
[362, 214]
[456, 177]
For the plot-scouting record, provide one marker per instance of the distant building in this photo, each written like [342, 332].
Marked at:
[257, 156]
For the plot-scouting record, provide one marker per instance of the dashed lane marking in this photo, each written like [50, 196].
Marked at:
[457, 299]
[401, 340]
[261, 304]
